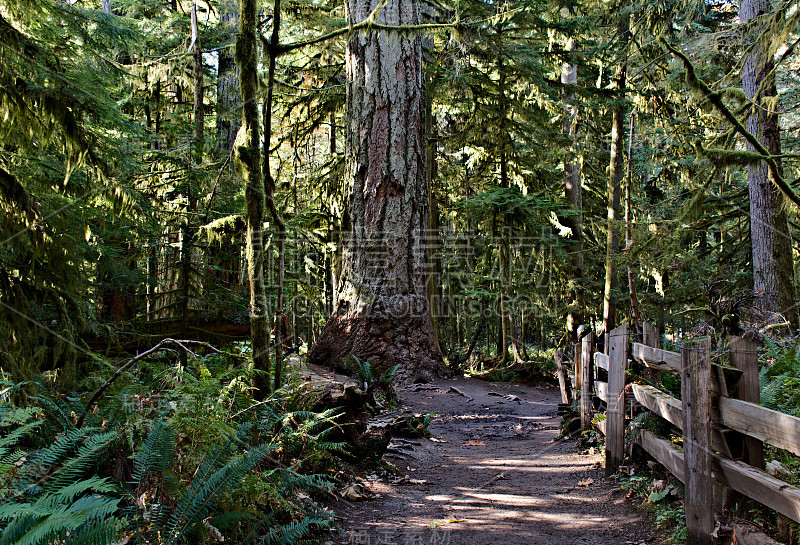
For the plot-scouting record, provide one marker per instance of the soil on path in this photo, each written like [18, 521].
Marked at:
[493, 474]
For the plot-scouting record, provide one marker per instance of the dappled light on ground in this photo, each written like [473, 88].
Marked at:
[494, 473]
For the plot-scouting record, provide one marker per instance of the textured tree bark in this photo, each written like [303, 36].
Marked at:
[382, 311]
[434, 235]
[229, 117]
[188, 231]
[773, 269]
[226, 257]
[615, 178]
[248, 153]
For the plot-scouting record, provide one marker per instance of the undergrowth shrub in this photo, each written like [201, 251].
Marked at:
[780, 376]
[171, 455]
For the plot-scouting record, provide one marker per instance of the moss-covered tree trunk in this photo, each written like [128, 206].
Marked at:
[773, 269]
[248, 153]
[381, 302]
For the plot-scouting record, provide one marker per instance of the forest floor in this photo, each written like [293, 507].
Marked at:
[493, 473]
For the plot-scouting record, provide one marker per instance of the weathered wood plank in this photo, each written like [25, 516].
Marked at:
[601, 426]
[601, 360]
[615, 411]
[601, 390]
[656, 358]
[765, 489]
[744, 356]
[586, 382]
[743, 535]
[670, 409]
[778, 429]
[745, 479]
[650, 337]
[697, 453]
[664, 405]
[664, 453]
[577, 372]
[566, 395]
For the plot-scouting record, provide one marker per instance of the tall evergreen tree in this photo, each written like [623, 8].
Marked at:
[60, 176]
[770, 235]
[248, 153]
[382, 311]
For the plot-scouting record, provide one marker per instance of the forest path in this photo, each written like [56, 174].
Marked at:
[493, 474]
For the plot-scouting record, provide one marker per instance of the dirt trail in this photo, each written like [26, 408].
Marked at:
[498, 477]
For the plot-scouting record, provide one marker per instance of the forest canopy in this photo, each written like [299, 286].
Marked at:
[205, 204]
[579, 162]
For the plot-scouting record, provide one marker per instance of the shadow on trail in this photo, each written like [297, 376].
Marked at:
[493, 474]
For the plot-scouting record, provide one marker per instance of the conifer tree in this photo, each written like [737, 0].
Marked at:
[381, 313]
[248, 153]
[770, 236]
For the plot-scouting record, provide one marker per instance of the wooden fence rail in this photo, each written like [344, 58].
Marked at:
[722, 424]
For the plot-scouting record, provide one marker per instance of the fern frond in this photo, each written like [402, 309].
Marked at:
[10, 440]
[99, 532]
[157, 453]
[16, 416]
[294, 532]
[89, 456]
[43, 523]
[69, 493]
[207, 489]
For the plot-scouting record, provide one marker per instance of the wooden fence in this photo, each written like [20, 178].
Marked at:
[723, 427]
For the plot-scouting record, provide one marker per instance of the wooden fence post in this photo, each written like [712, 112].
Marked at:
[578, 371]
[587, 382]
[696, 400]
[615, 412]
[652, 338]
[562, 377]
[744, 357]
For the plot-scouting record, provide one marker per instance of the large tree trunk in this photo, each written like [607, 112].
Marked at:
[382, 309]
[773, 270]
[615, 179]
[248, 153]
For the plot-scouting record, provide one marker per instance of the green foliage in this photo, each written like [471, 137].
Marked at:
[419, 424]
[663, 498]
[49, 482]
[650, 422]
[251, 478]
[372, 381]
[780, 376]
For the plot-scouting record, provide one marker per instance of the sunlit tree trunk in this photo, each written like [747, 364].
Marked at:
[572, 188]
[188, 231]
[279, 328]
[615, 177]
[382, 311]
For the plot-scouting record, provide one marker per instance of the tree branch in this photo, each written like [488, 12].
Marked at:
[118, 373]
[716, 99]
